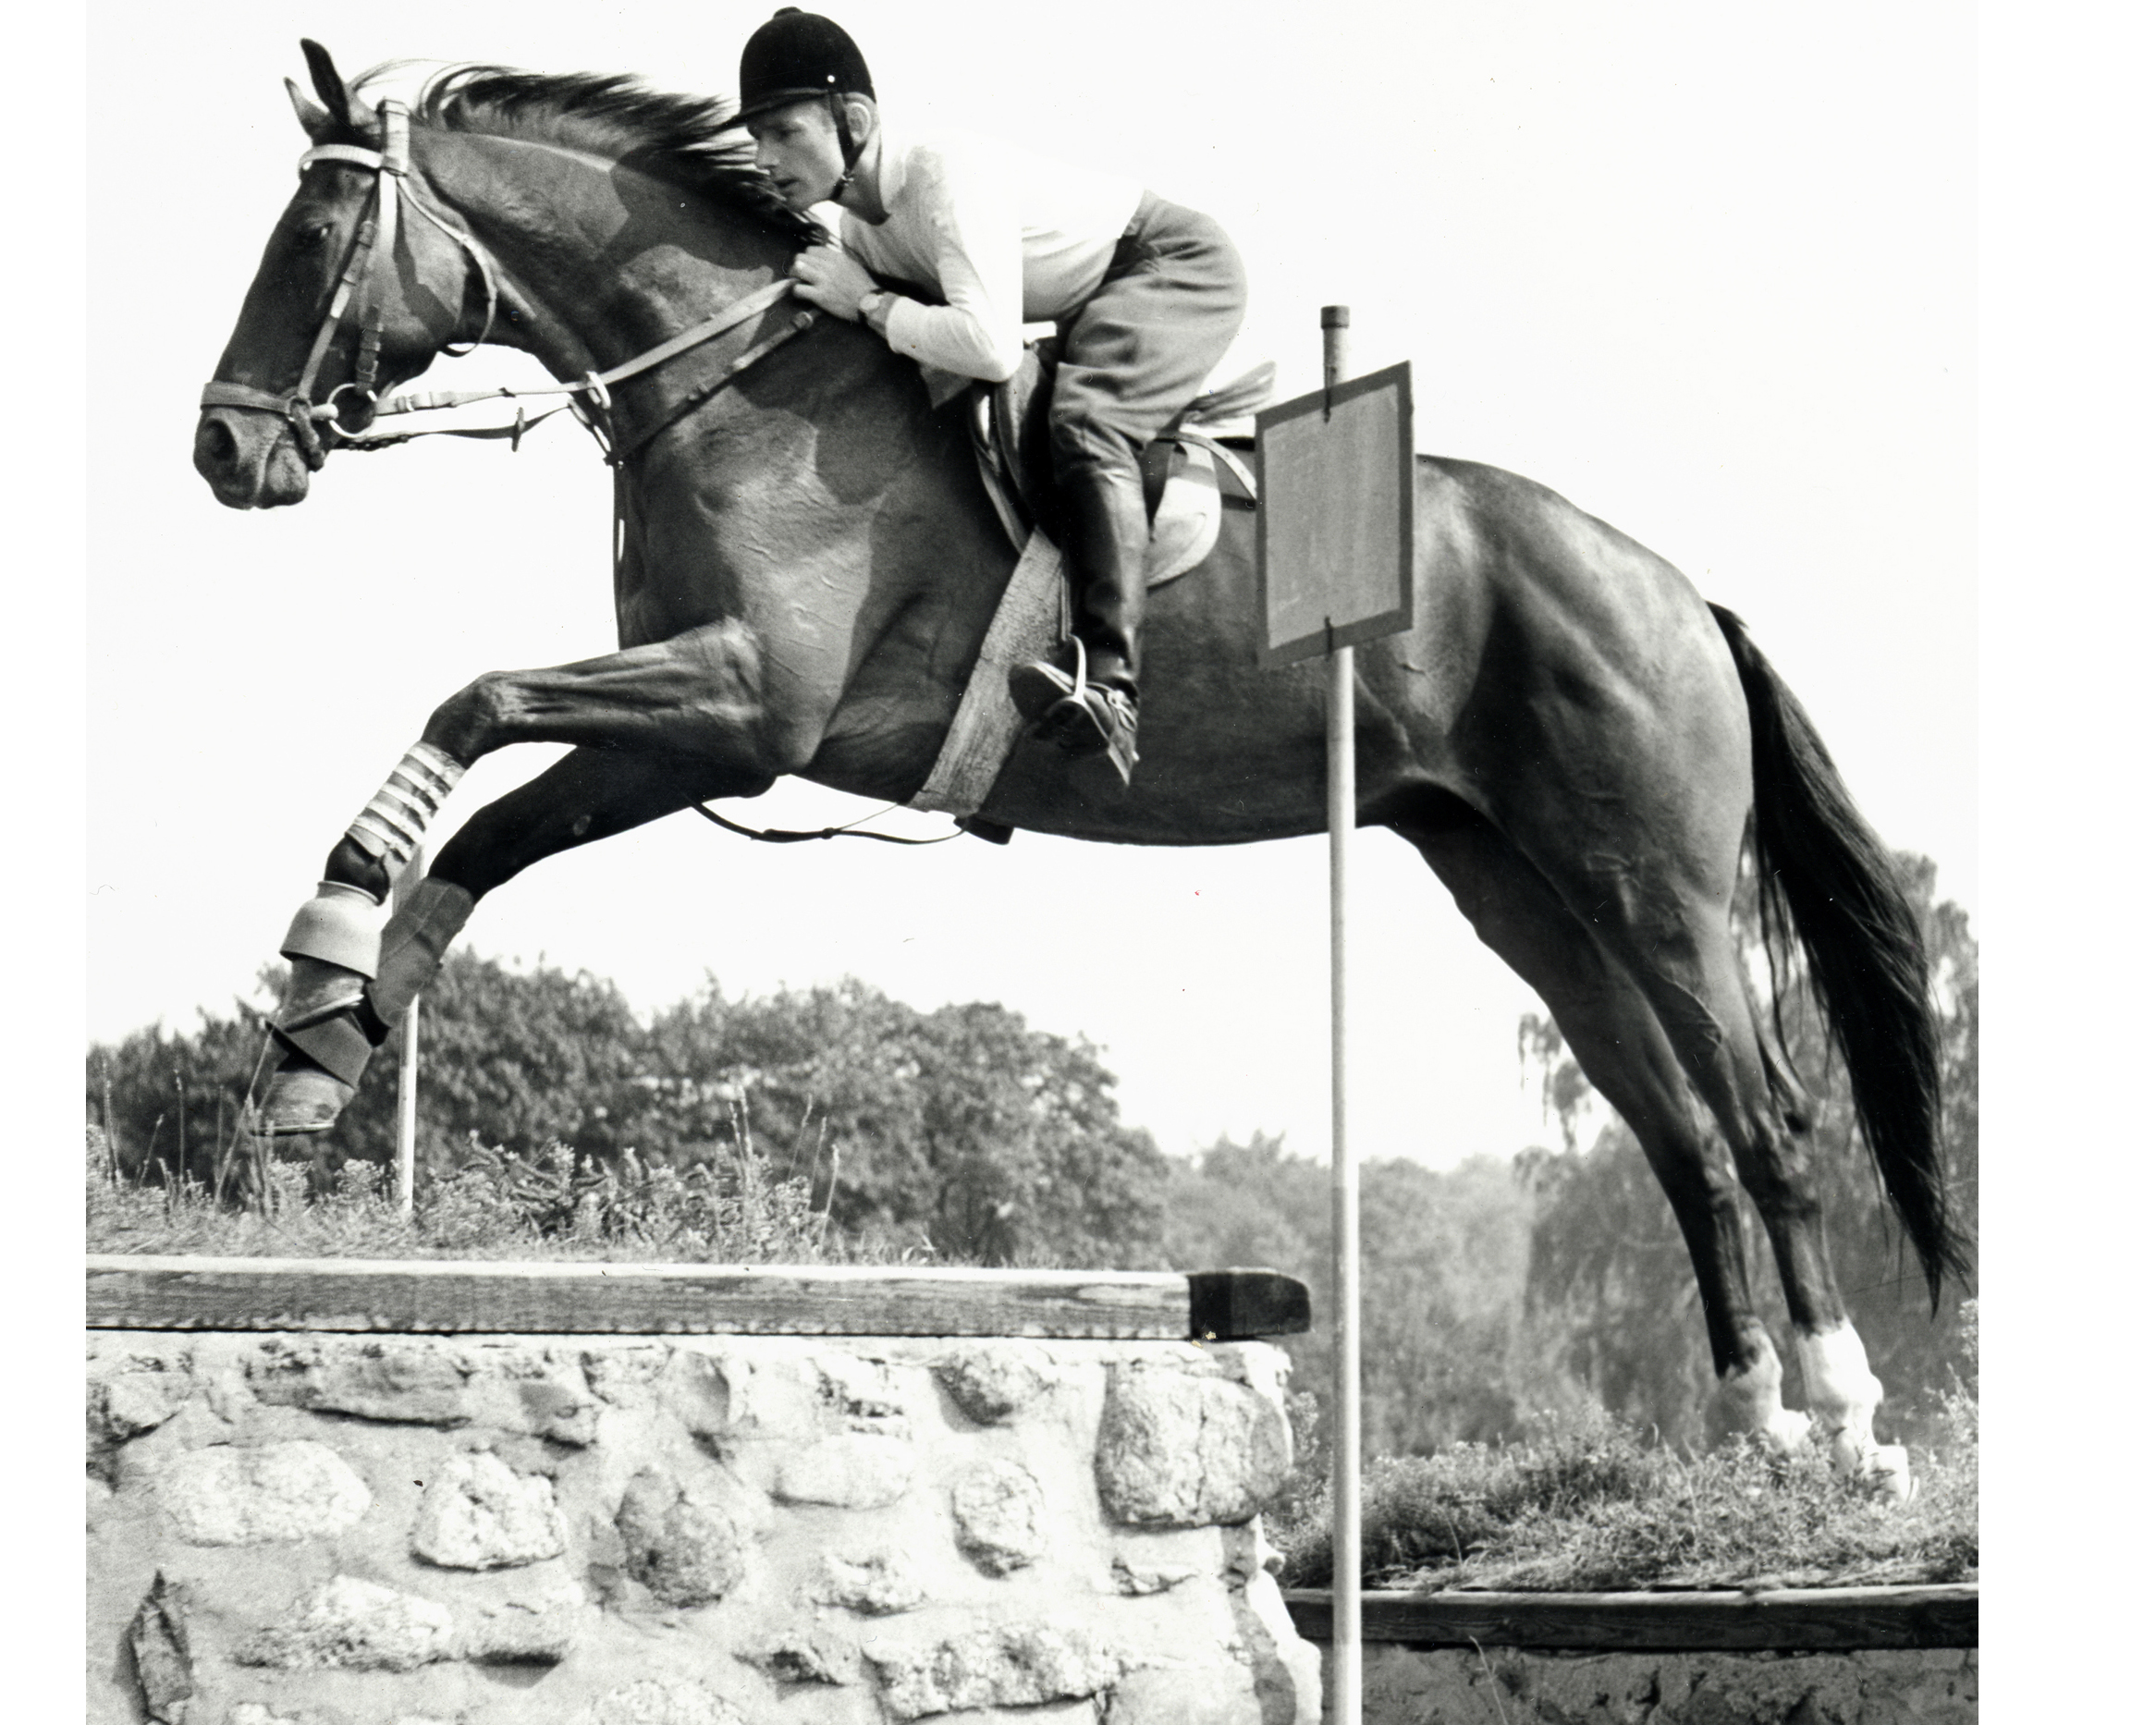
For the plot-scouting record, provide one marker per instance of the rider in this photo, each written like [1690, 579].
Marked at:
[1146, 296]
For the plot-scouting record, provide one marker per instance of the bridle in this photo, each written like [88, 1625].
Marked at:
[371, 260]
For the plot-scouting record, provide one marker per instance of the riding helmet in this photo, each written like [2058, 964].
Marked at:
[795, 56]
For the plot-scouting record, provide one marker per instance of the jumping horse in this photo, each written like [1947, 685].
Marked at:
[1578, 743]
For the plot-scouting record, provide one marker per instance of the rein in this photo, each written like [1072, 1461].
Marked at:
[373, 255]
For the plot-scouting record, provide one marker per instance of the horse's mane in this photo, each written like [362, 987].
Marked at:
[617, 117]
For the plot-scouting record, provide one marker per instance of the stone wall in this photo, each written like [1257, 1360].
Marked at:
[1507, 1686]
[320, 1529]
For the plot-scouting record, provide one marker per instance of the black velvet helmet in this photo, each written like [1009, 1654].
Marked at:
[797, 57]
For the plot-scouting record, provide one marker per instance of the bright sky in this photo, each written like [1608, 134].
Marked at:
[1706, 270]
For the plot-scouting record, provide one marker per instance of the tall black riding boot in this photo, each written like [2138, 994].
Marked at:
[1104, 556]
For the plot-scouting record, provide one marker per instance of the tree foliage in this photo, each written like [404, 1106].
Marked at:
[1444, 1266]
[962, 1129]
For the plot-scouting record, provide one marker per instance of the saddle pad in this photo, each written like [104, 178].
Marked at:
[1026, 625]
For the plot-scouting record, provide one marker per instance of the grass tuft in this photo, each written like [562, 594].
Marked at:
[726, 1207]
[1582, 1505]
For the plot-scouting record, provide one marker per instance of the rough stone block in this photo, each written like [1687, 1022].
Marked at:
[419, 1380]
[1188, 1447]
[879, 1584]
[851, 1470]
[686, 1550]
[534, 1629]
[662, 1701]
[163, 1661]
[478, 1514]
[798, 1657]
[991, 1385]
[1001, 1516]
[227, 1496]
[1216, 1694]
[357, 1625]
[1019, 1664]
[408, 1381]
[129, 1403]
[860, 1395]
[624, 1376]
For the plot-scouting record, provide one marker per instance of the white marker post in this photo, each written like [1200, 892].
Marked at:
[408, 1062]
[1335, 558]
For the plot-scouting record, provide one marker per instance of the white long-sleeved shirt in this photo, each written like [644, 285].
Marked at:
[1004, 238]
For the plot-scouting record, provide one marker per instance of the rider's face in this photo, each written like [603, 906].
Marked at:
[798, 146]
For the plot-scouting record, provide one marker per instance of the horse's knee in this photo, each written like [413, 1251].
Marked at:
[467, 725]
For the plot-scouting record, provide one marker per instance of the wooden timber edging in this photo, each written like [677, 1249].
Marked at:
[440, 1297]
[1835, 1619]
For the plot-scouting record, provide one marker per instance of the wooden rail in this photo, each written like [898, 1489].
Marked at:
[1839, 1619]
[442, 1297]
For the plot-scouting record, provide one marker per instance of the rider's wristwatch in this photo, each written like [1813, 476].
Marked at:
[868, 303]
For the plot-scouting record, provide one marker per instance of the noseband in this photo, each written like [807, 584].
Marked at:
[373, 259]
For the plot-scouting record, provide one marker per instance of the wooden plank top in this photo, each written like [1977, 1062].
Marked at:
[1819, 1618]
[429, 1296]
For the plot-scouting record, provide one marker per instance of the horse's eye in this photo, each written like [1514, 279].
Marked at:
[312, 236]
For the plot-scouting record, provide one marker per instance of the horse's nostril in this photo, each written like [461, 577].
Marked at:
[215, 447]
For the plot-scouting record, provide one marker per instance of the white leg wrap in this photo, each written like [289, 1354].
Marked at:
[395, 821]
[1752, 1403]
[340, 925]
[1844, 1394]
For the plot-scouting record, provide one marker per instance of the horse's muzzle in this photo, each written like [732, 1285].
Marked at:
[248, 457]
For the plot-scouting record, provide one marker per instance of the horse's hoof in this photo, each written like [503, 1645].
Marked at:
[302, 1098]
[1787, 1431]
[1885, 1473]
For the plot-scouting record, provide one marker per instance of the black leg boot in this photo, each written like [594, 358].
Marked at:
[1093, 707]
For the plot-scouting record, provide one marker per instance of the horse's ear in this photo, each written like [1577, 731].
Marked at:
[344, 113]
[314, 116]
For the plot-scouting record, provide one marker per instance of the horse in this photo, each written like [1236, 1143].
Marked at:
[1580, 746]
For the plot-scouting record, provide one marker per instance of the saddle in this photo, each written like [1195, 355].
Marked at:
[1189, 473]
[1189, 476]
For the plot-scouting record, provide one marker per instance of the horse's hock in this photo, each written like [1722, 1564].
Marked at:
[291, 1524]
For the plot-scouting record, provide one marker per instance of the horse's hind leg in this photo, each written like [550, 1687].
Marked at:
[1664, 917]
[1615, 1036]
[347, 991]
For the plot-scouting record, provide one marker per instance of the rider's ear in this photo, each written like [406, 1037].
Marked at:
[345, 114]
[314, 116]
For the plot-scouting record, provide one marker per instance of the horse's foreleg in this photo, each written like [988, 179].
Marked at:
[1612, 1032]
[695, 707]
[349, 991]
[713, 694]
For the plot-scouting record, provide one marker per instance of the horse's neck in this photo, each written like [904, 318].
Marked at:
[596, 262]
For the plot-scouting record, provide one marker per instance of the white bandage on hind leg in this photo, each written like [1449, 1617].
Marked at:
[1841, 1389]
[340, 925]
[394, 822]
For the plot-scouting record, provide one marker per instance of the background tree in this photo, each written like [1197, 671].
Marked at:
[960, 1129]
[1443, 1274]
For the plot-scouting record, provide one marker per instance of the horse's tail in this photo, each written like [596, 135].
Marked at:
[1824, 873]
